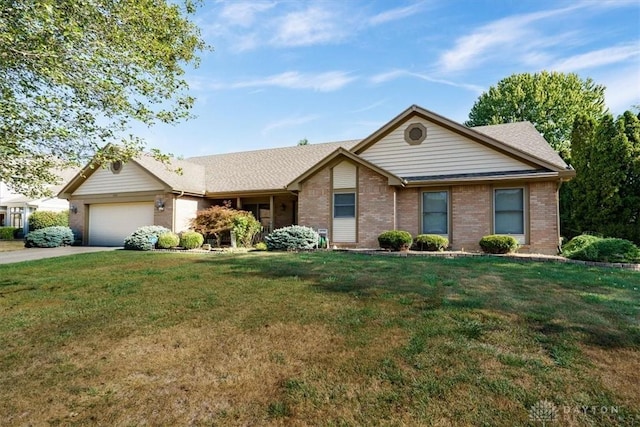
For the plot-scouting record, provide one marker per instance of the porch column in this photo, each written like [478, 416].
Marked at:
[238, 203]
[271, 213]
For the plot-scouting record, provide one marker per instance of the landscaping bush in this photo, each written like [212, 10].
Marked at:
[395, 240]
[8, 233]
[168, 240]
[44, 219]
[260, 246]
[191, 240]
[606, 250]
[144, 238]
[245, 227]
[49, 237]
[578, 243]
[294, 237]
[498, 244]
[431, 242]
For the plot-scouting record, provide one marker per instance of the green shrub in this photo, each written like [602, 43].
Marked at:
[8, 233]
[168, 240]
[294, 237]
[431, 242]
[606, 250]
[191, 240]
[49, 237]
[260, 246]
[395, 240]
[578, 243]
[245, 227]
[498, 244]
[44, 219]
[144, 238]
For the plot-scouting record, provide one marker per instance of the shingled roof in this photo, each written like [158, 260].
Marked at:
[524, 137]
[262, 170]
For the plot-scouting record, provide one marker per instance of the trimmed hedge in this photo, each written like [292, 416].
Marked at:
[144, 238]
[191, 240]
[592, 248]
[168, 240]
[8, 233]
[431, 242]
[49, 237]
[395, 240]
[44, 219]
[498, 244]
[292, 238]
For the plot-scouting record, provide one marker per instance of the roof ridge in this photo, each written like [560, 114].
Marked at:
[346, 141]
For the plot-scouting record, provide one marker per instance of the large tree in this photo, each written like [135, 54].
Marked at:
[75, 74]
[549, 100]
[605, 195]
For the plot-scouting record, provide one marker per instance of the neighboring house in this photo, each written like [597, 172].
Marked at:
[420, 172]
[16, 208]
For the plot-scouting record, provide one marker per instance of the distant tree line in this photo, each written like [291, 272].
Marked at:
[604, 197]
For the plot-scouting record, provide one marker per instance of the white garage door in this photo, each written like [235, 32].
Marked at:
[110, 223]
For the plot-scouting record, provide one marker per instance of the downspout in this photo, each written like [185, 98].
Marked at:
[395, 209]
[559, 248]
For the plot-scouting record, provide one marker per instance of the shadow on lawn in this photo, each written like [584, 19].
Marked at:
[547, 298]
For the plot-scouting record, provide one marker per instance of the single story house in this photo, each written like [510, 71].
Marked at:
[16, 208]
[420, 172]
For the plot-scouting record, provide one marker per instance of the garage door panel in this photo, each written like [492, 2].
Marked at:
[111, 223]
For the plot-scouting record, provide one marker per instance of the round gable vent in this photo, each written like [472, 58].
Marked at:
[415, 133]
[116, 166]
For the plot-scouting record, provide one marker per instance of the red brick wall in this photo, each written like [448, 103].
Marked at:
[314, 201]
[164, 218]
[408, 202]
[375, 207]
[77, 220]
[284, 211]
[471, 216]
[543, 217]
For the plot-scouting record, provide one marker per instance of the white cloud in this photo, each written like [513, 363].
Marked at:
[322, 82]
[395, 14]
[308, 27]
[243, 14]
[396, 74]
[622, 89]
[514, 35]
[598, 58]
[369, 107]
[289, 122]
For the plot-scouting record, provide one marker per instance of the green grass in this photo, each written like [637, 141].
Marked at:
[127, 338]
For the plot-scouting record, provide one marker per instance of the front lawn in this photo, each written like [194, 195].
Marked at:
[11, 245]
[130, 338]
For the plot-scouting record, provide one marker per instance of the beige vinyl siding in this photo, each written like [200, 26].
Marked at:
[344, 175]
[131, 178]
[344, 230]
[185, 211]
[442, 153]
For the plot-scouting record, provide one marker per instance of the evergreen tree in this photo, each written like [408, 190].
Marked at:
[604, 198]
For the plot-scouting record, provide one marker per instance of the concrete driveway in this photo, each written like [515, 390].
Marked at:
[32, 254]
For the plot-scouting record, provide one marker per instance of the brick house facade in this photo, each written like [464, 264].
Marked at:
[420, 172]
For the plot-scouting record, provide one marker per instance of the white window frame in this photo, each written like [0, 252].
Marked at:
[521, 238]
[422, 212]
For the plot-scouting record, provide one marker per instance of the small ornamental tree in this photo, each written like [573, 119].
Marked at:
[219, 220]
[213, 221]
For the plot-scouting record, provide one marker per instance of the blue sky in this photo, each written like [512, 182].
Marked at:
[332, 70]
